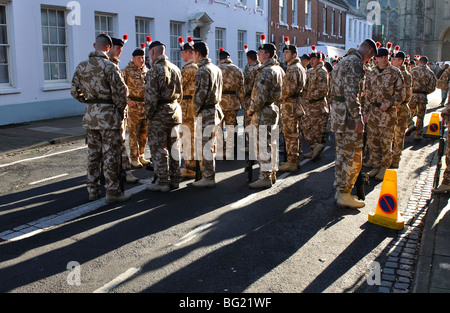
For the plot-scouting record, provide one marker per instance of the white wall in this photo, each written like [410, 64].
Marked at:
[30, 98]
[364, 31]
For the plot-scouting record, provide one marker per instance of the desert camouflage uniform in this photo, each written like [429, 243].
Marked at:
[382, 87]
[126, 166]
[315, 105]
[445, 80]
[232, 90]
[266, 91]
[403, 115]
[99, 83]
[136, 121]
[423, 83]
[162, 90]
[250, 72]
[346, 80]
[292, 108]
[187, 108]
[207, 96]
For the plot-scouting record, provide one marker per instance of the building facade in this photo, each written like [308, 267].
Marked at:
[358, 28]
[42, 42]
[420, 27]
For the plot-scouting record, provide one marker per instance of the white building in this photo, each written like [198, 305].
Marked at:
[358, 29]
[42, 42]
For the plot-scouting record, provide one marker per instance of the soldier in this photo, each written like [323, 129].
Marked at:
[264, 113]
[347, 122]
[232, 94]
[403, 111]
[316, 107]
[207, 96]
[99, 83]
[444, 82]
[291, 108]
[305, 61]
[113, 55]
[250, 72]
[187, 107]
[384, 91]
[134, 76]
[423, 83]
[162, 90]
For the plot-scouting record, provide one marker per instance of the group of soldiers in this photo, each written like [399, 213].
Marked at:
[371, 89]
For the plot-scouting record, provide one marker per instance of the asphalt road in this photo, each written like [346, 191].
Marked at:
[230, 239]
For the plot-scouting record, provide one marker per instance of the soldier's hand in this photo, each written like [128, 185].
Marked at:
[249, 113]
[383, 107]
[131, 103]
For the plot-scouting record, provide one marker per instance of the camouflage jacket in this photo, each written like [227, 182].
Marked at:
[115, 60]
[407, 78]
[293, 82]
[316, 88]
[162, 90]
[347, 77]
[98, 78]
[267, 87]
[423, 83]
[233, 81]
[250, 72]
[135, 79]
[188, 78]
[208, 85]
[384, 87]
[445, 79]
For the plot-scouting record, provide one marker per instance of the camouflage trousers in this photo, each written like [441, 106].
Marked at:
[348, 160]
[291, 132]
[446, 179]
[380, 135]
[418, 109]
[106, 146]
[163, 138]
[205, 129]
[229, 123]
[137, 128]
[314, 123]
[187, 112]
[403, 115]
[265, 124]
[126, 166]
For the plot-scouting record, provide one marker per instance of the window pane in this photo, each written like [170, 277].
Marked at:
[61, 21]
[103, 26]
[46, 71]
[46, 54]
[4, 74]
[3, 55]
[52, 17]
[62, 36]
[45, 35]
[54, 70]
[53, 54]
[3, 35]
[61, 54]
[53, 35]
[44, 17]
[62, 71]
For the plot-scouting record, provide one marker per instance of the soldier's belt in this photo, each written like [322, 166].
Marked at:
[165, 101]
[377, 104]
[187, 97]
[98, 100]
[207, 106]
[267, 103]
[228, 92]
[339, 98]
[137, 99]
[316, 100]
[421, 92]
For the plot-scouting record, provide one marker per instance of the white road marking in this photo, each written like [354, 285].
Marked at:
[35, 227]
[118, 280]
[192, 234]
[41, 157]
[47, 179]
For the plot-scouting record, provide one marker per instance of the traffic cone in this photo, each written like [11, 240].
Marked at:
[386, 213]
[434, 127]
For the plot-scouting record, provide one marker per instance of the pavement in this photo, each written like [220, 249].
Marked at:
[431, 242]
